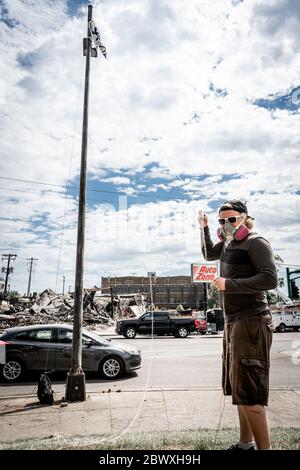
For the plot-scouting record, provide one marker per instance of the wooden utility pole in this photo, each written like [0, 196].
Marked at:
[31, 260]
[75, 388]
[9, 257]
[112, 302]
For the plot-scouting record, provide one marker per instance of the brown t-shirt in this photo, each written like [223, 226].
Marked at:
[249, 268]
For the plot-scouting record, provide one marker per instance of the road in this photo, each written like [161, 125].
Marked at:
[173, 363]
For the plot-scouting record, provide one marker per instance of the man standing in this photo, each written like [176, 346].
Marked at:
[247, 270]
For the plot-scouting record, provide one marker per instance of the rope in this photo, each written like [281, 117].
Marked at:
[69, 178]
[202, 234]
[149, 371]
[63, 225]
[203, 244]
[220, 419]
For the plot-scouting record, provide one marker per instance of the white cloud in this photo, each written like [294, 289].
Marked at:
[117, 180]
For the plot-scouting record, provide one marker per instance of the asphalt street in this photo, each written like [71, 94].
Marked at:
[170, 363]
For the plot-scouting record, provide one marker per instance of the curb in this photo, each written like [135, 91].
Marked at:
[139, 390]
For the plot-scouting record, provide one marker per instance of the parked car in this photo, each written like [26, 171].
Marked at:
[201, 323]
[284, 320]
[48, 347]
[160, 322]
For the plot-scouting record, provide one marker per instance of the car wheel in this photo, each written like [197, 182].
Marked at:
[182, 332]
[130, 332]
[203, 332]
[281, 328]
[13, 370]
[111, 368]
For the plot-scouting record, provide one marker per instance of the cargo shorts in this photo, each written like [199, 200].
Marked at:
[247, 342]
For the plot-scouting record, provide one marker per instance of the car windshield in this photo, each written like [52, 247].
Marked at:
[97, 338]
[144, 315]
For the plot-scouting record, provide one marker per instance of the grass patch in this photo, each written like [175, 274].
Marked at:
[201, 439]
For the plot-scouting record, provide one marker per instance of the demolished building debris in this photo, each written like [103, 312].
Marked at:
[50, 307]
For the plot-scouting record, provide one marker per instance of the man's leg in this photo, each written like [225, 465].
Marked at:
[256, 416]
[251, 344]
[246, 434]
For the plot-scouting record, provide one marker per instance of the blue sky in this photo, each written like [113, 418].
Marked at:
[74, 7]
[289, 101]
[193, 106]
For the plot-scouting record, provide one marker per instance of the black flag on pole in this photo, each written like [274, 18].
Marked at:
[96, 38]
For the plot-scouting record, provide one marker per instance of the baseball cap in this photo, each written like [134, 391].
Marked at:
[236, 205]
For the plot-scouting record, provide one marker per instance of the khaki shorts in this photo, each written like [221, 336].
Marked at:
[246, 359]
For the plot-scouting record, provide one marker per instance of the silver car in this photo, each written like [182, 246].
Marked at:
[49, 347]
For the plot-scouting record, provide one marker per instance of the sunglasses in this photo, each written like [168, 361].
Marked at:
[231, 220]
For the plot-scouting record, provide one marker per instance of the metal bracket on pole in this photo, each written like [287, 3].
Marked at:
[75, 387]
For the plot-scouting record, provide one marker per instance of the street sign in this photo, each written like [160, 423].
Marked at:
[205, 272]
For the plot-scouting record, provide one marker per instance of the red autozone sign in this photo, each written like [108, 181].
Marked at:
[204, 272]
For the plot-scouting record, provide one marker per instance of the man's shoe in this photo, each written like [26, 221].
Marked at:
[237, 447]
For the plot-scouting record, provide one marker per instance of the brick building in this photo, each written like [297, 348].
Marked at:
[168, 291]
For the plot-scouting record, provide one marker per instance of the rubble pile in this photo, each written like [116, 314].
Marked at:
[50, 307]
[131, 306]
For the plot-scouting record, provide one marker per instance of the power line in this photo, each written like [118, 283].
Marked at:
[69, 196]
[138, 195]
[74, 198]
[107, 191]
[123, 192]
[31, 192]
[32, 182]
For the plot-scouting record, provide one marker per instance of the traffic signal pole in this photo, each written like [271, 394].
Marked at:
[290, 281]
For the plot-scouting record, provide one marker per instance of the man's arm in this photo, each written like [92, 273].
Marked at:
[262, 257]
[213, 252]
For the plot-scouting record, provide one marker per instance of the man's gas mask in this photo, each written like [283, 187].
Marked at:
[228, 232]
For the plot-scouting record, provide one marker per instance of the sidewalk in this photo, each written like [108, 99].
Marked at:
[135, 411]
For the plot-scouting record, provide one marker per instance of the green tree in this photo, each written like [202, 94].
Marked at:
[272, 297]
[213, 296]
[11, 296]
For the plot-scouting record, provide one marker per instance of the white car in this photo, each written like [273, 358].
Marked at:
[284, 319]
